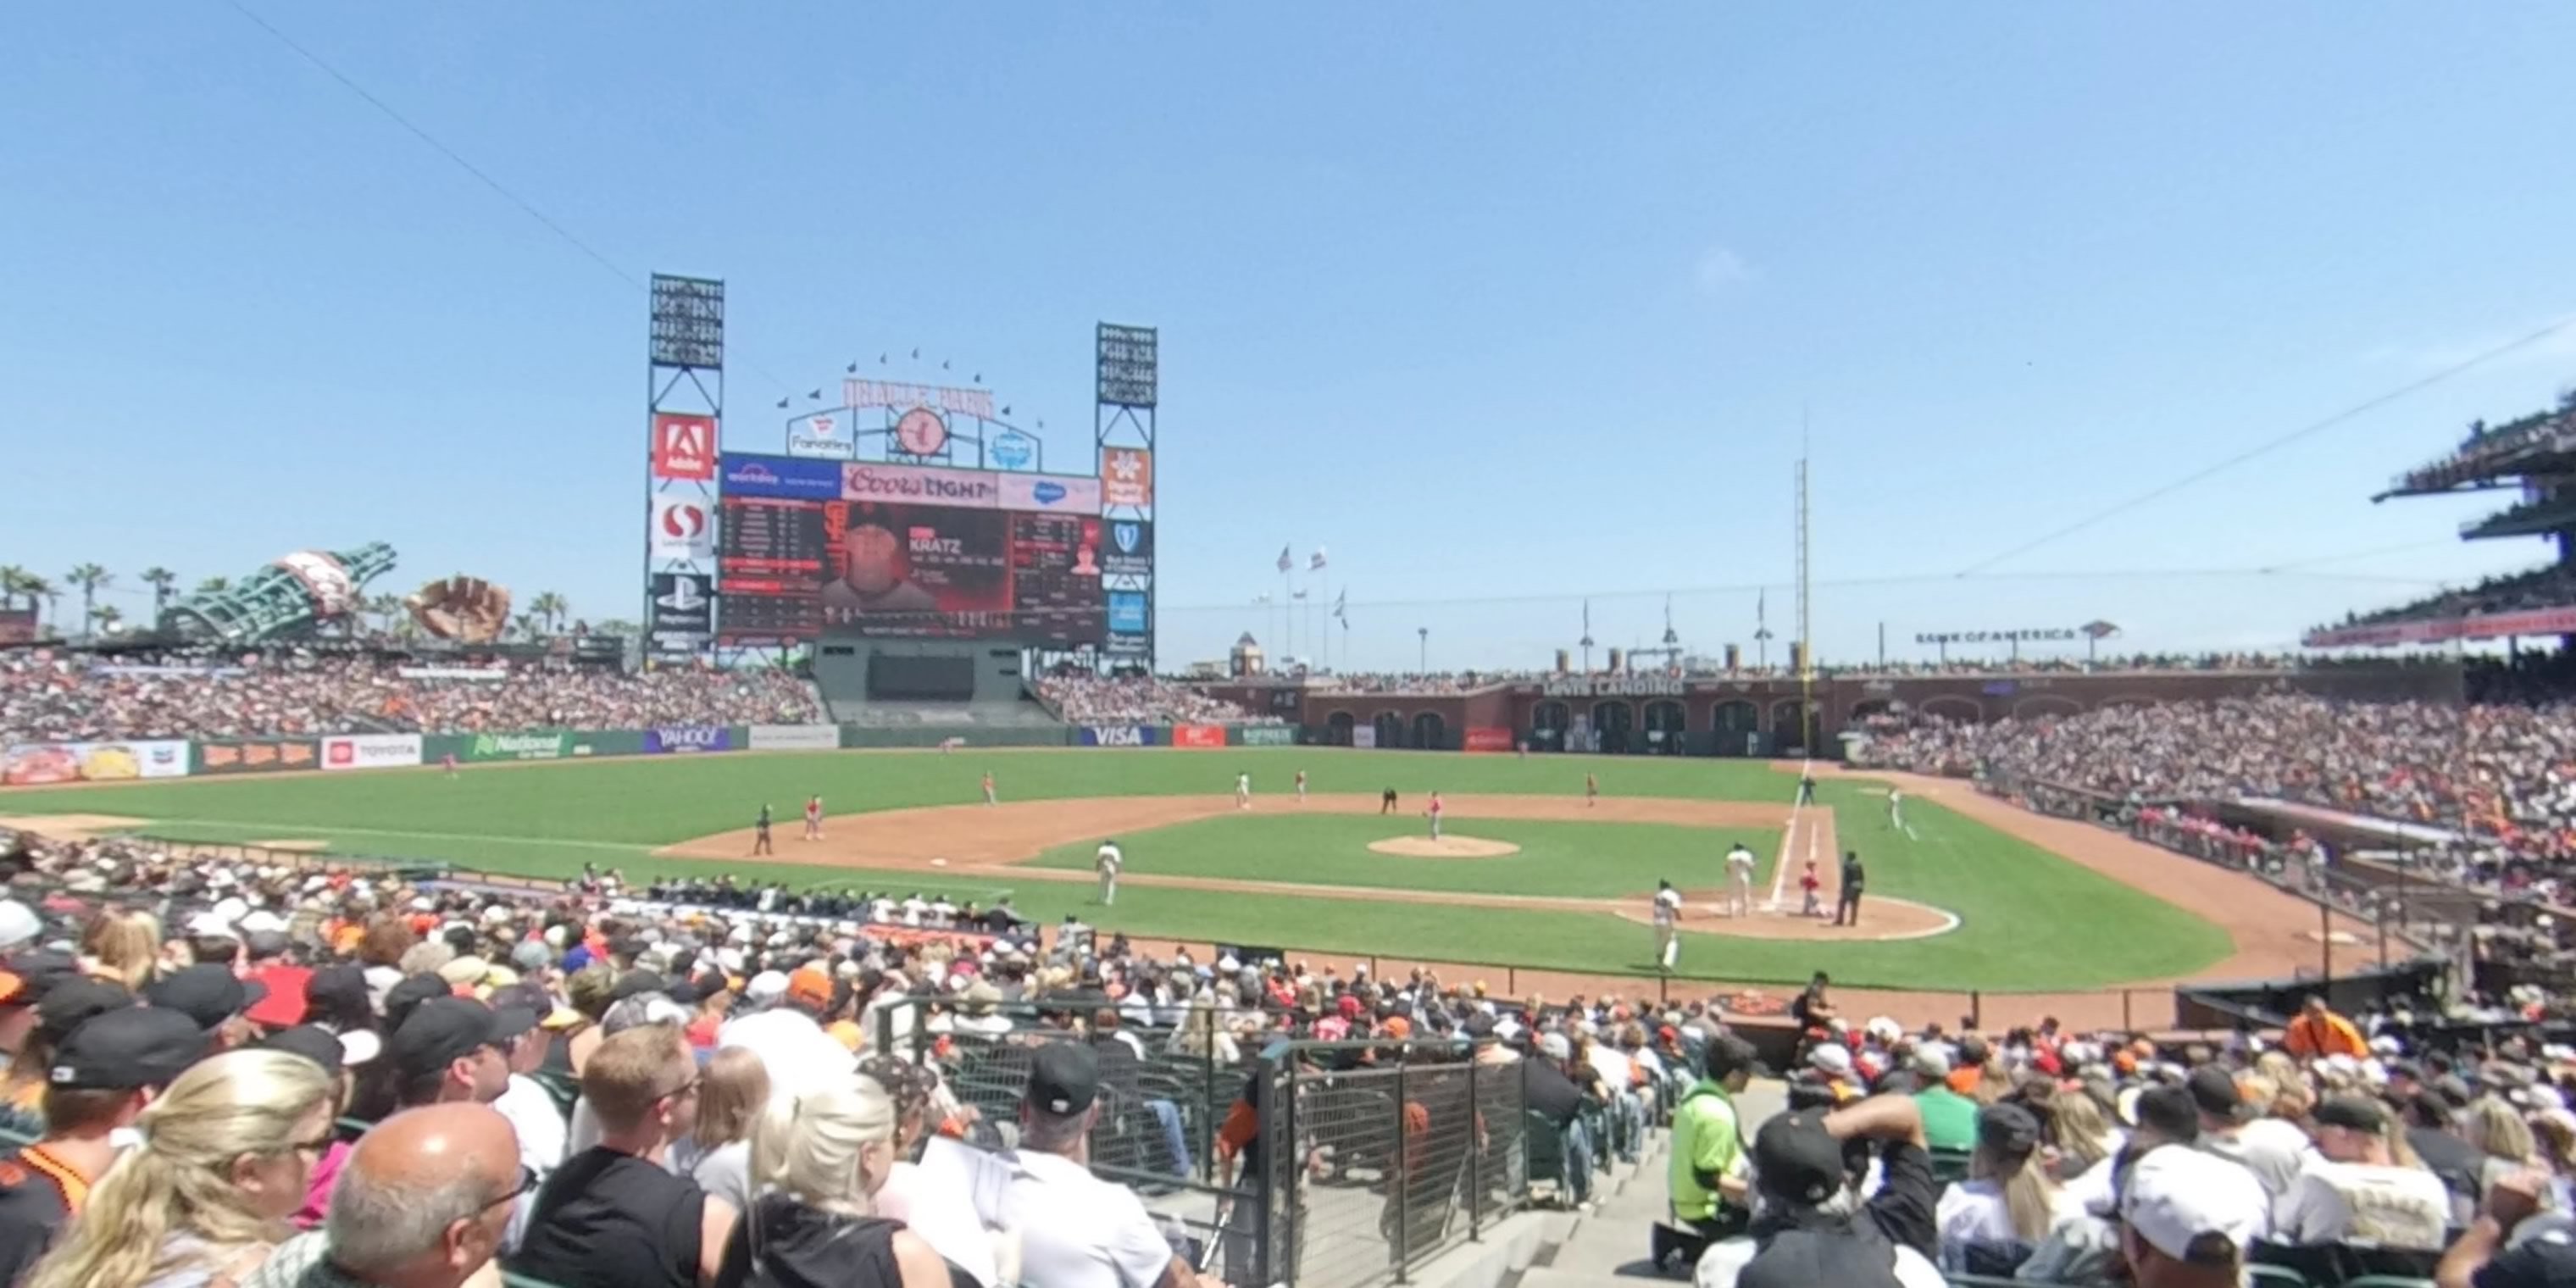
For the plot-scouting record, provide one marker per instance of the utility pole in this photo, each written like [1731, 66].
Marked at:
[1424, 666]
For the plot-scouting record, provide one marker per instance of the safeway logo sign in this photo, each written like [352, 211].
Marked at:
[684, 447]
[682, 529]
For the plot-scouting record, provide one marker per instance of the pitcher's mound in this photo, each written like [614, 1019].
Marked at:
[1447, 847]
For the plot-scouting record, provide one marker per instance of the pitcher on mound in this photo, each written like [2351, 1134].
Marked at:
[1434, 813]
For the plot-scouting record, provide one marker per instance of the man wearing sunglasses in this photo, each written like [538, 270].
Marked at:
[614, 1216]
[423, 1203]
[452, 1049]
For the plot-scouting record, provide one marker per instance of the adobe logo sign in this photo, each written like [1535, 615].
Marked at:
[684, 447]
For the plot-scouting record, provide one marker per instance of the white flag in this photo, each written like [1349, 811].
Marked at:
[1315, 561]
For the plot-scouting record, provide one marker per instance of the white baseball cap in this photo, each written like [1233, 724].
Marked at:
[1833, 1058]
[2178, 1197]
[19, 925]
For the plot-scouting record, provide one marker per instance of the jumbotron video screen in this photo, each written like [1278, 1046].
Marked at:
[794, 568]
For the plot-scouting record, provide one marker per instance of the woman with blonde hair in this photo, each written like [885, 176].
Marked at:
[228, 1151]
[123, 946]
[2083, 1135]
[1991, 1222]
[821, 1157]
[2501, 1134]
[731, 1093]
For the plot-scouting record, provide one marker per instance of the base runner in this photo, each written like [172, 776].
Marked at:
[1667, 916]
[813, 818]
[1108, 862]
[760, 833]
[1739, 881]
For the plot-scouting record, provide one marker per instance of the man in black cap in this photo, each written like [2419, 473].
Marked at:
[1074, 1226]
[104, 1073]
[211, 995]
[2224, 1113]
[455, 1048]
[2359, 1194]
[1813, 1229]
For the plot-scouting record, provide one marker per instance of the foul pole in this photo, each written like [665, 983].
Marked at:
[1806, 641]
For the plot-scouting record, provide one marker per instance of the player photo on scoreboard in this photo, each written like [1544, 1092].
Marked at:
[917, 570]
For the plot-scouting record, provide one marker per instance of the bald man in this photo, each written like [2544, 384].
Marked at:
[422, 1203]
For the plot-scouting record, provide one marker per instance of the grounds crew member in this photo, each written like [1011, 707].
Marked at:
[1709, 1180]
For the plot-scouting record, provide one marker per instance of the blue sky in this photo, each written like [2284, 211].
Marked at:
[1507, 303]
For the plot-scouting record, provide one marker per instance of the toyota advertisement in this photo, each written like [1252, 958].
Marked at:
[909, 552]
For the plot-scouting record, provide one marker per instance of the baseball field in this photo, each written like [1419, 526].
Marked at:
[1531, 875]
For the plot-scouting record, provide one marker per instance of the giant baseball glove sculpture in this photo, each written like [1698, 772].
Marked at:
[466, 609]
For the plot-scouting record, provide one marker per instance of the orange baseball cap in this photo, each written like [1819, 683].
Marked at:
[1399, 1027]
[810, 986]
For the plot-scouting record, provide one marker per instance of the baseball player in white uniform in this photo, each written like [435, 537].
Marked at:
[1739, 881]
[1667, 913]
[1243, 791]
[1108, 862]
[1895, 809]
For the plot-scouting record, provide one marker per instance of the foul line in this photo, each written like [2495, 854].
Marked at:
[1789, 837]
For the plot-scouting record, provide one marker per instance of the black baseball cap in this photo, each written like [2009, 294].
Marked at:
[1064, 1078]
[337, 990]
[1796, 1160]
[1729, 1054]
[2170, 1112]
[75, 1002]
[208, 993]
[636, 983]
[405, 997]
[2214, 1092]
[137, 1046]
[2357, 1113]
[312, 1041]
[444, 1029]
[41, 970]
[2008, 1131]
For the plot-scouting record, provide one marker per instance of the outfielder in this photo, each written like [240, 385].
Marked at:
[1667, 914]
[1108, 862]
[1739, 881]
[989, 797]
[1896, 809]
[1301, 787]
[1243, 791]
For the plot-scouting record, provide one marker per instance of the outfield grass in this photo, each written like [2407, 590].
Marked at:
[2030, 919]
[1565, 859]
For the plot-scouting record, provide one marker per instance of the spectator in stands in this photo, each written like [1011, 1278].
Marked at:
[316, 1044]
[102, 1079]
[124, 947]
[614, 1215]
[789, 1038]
[1549, 1093]
[2086, 1249]
[2225, 1131]
[818, 1161]
[225, 1159]
[67, 1004]
[1709, 1179]
[1992, 1221]
[423, 1203]
[2317, 1032]
[534, 1116]
[730, 1100]
[1949, 1119]
[2188, 1219]
[2493, 1128]
[2083, 1136]
[211, 995]
[1076, 1230]
[1813, 1227]
[456, 1049]
[2359, 1193]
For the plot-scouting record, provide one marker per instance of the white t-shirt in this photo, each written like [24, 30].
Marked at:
[1078, 1231]
[540, 1125]
[2392, 1207]
[798, 1054]
[1973, 1213]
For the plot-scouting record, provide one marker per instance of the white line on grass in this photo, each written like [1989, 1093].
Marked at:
[1789, 837]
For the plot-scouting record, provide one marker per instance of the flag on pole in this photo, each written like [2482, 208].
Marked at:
[1300, 594]
[1315, 561]
[1341, 603]
[1285, 563]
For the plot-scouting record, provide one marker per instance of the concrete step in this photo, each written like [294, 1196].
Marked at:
[1604, 1251]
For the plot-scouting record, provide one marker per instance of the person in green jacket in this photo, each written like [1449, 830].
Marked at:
[1709, 1178]
[1949, 1119]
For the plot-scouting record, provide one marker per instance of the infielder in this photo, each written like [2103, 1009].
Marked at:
[989, 797]
[1108, 862]
[1667, 914]
[813, 818]
[1301, 787]
[1895, 809]
[1243, 791]
[1739, 881]
[1435, 816]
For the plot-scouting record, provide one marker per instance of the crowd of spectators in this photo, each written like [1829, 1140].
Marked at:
[50, 695]
[2551, 587]
[1086, 699]
[2503, 776]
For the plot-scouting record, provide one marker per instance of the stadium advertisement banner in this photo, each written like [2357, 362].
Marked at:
[825, 435]
[1488, 739]
[795, 738]
[34, 764]
[1267, 735]
[2485, 626]
[1127, 476]
[257, 755]
[686, 738]
[1131, 548]
[684, 447]
[684, 528]
[370, 751]
[923, 485]
[453, 672]
[1051, 493]
[1198, 736]
[1118, 736]
[519, 746]
[784, 477]
[1364, 735]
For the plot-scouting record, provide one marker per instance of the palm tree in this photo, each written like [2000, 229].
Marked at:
[108, 616]
[389, 609]
[90, 578]
[35, 588]
[214, 585]
[160, 579]
[524, 625]
[13, 583]
[550, 606]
